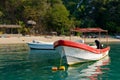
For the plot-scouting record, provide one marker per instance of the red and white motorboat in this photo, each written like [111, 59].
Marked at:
[76, 52]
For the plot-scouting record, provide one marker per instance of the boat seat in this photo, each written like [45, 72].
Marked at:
[98, 44]
[80, 41]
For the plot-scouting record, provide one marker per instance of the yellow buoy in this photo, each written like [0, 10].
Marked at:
[54, 68]
[62, 68]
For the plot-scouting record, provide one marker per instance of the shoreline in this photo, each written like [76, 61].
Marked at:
[26, 39]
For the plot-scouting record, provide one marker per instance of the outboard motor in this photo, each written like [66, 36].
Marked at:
[98, 44]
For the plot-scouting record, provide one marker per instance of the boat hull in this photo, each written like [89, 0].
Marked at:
[78, 53]
[41, 46]
[75, 55]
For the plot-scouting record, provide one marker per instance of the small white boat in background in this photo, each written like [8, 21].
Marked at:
[40, 45]
[117, 36]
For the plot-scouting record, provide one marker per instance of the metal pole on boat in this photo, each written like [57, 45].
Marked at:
[70, 35]
[107, 37]
[99, 36]
[99, 40]
[84, 36]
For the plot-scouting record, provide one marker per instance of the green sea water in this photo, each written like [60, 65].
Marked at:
[25, 64]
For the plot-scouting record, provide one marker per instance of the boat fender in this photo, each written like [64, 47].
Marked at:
[62, 68]
[54, 68]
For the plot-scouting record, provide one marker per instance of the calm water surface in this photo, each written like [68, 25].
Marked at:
[37, 65]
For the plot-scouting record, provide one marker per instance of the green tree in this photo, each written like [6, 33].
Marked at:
[57, 17]
[9, 9]
[95, 13]
[36, 10]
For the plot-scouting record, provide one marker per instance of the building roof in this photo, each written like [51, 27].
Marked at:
[10, 26]
[88, 30]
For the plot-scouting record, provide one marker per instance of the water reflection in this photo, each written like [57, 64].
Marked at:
[91, 70]
[37, 65]
[43, 56]
[43, 61]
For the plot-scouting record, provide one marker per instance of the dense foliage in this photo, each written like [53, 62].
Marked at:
[62, 15]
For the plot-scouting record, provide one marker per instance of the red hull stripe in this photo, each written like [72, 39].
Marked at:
[80, 46]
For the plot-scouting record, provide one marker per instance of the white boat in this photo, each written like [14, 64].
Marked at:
[80, 52]
[40, 45]
[117, 36]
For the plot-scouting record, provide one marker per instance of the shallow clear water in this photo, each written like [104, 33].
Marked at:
[37, 65]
